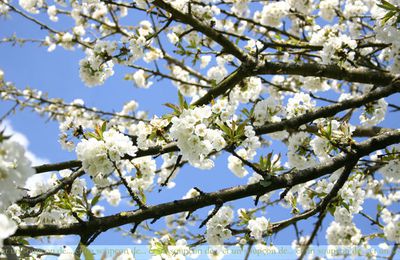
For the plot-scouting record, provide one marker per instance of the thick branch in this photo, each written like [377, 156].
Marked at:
[367, 76]
[207, 30]
[207, 199]
[330, 110]
[63, 183]
[292, 123]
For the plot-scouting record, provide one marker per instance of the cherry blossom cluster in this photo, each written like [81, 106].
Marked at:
[217, 231]
[99, 155]
[194, 138]
[168, 248]
[15, 169]
[97, 66]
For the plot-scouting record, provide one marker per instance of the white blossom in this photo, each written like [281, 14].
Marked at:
[7, 228]
[140, 79]
[258, 227]
[300, 104]
[374, 113]
[15, 169]
[97, 156]
[196, 148]
[216, 226]
[391, 171]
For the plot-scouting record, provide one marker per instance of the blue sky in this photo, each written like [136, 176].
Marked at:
[57, 73]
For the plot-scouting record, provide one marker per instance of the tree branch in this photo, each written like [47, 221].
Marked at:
[367, 76]
[292, 123]
[207, 30]
[207, 199]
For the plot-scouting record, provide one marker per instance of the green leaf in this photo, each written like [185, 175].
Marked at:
[87, 253]
[182, 101]
[240, 129]
[244, 216]
[388, 6]
[90, 135]
[173, 107]
[225, 128]
[99, 132]
[246, 112]
[104, 127]
[387, 16]
[4, 137]
[331, 210]
[95, 200]
[346, 206]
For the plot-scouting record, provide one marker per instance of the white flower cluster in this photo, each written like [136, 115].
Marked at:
[315, 83]
[7, 228]
[145, 172]
[327, 9]
[343, 234]
[343, 216]
[258, 227]
[355, 8]
[57, 213]
[168, 248]
[138, 42]
[391, 171]
[15, 169]
[216, 226]
[353, 192]
[224, 108]
[70, 116]
[98, 64]
[113, 197]
[52, 13]
[140, 79]
[240, 7]
[37, 186]
[374, 113]
[272, 13]
[392, 225]
[31, 6]
[236, 166]
[143, 131]
[129, 108]
[322, 148]
[250, 145]
[338, 48]
[387, 32]
[339, 132]
[299, 245]
[249, 91]
[267, 111]
[217, 73]
[298, 154]
[304, 6]
[195, 140]
[4, 10]
[97, 156]
[192, 193]
[153, 54]
[305, 196]
[127, 254]
[299, 104]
